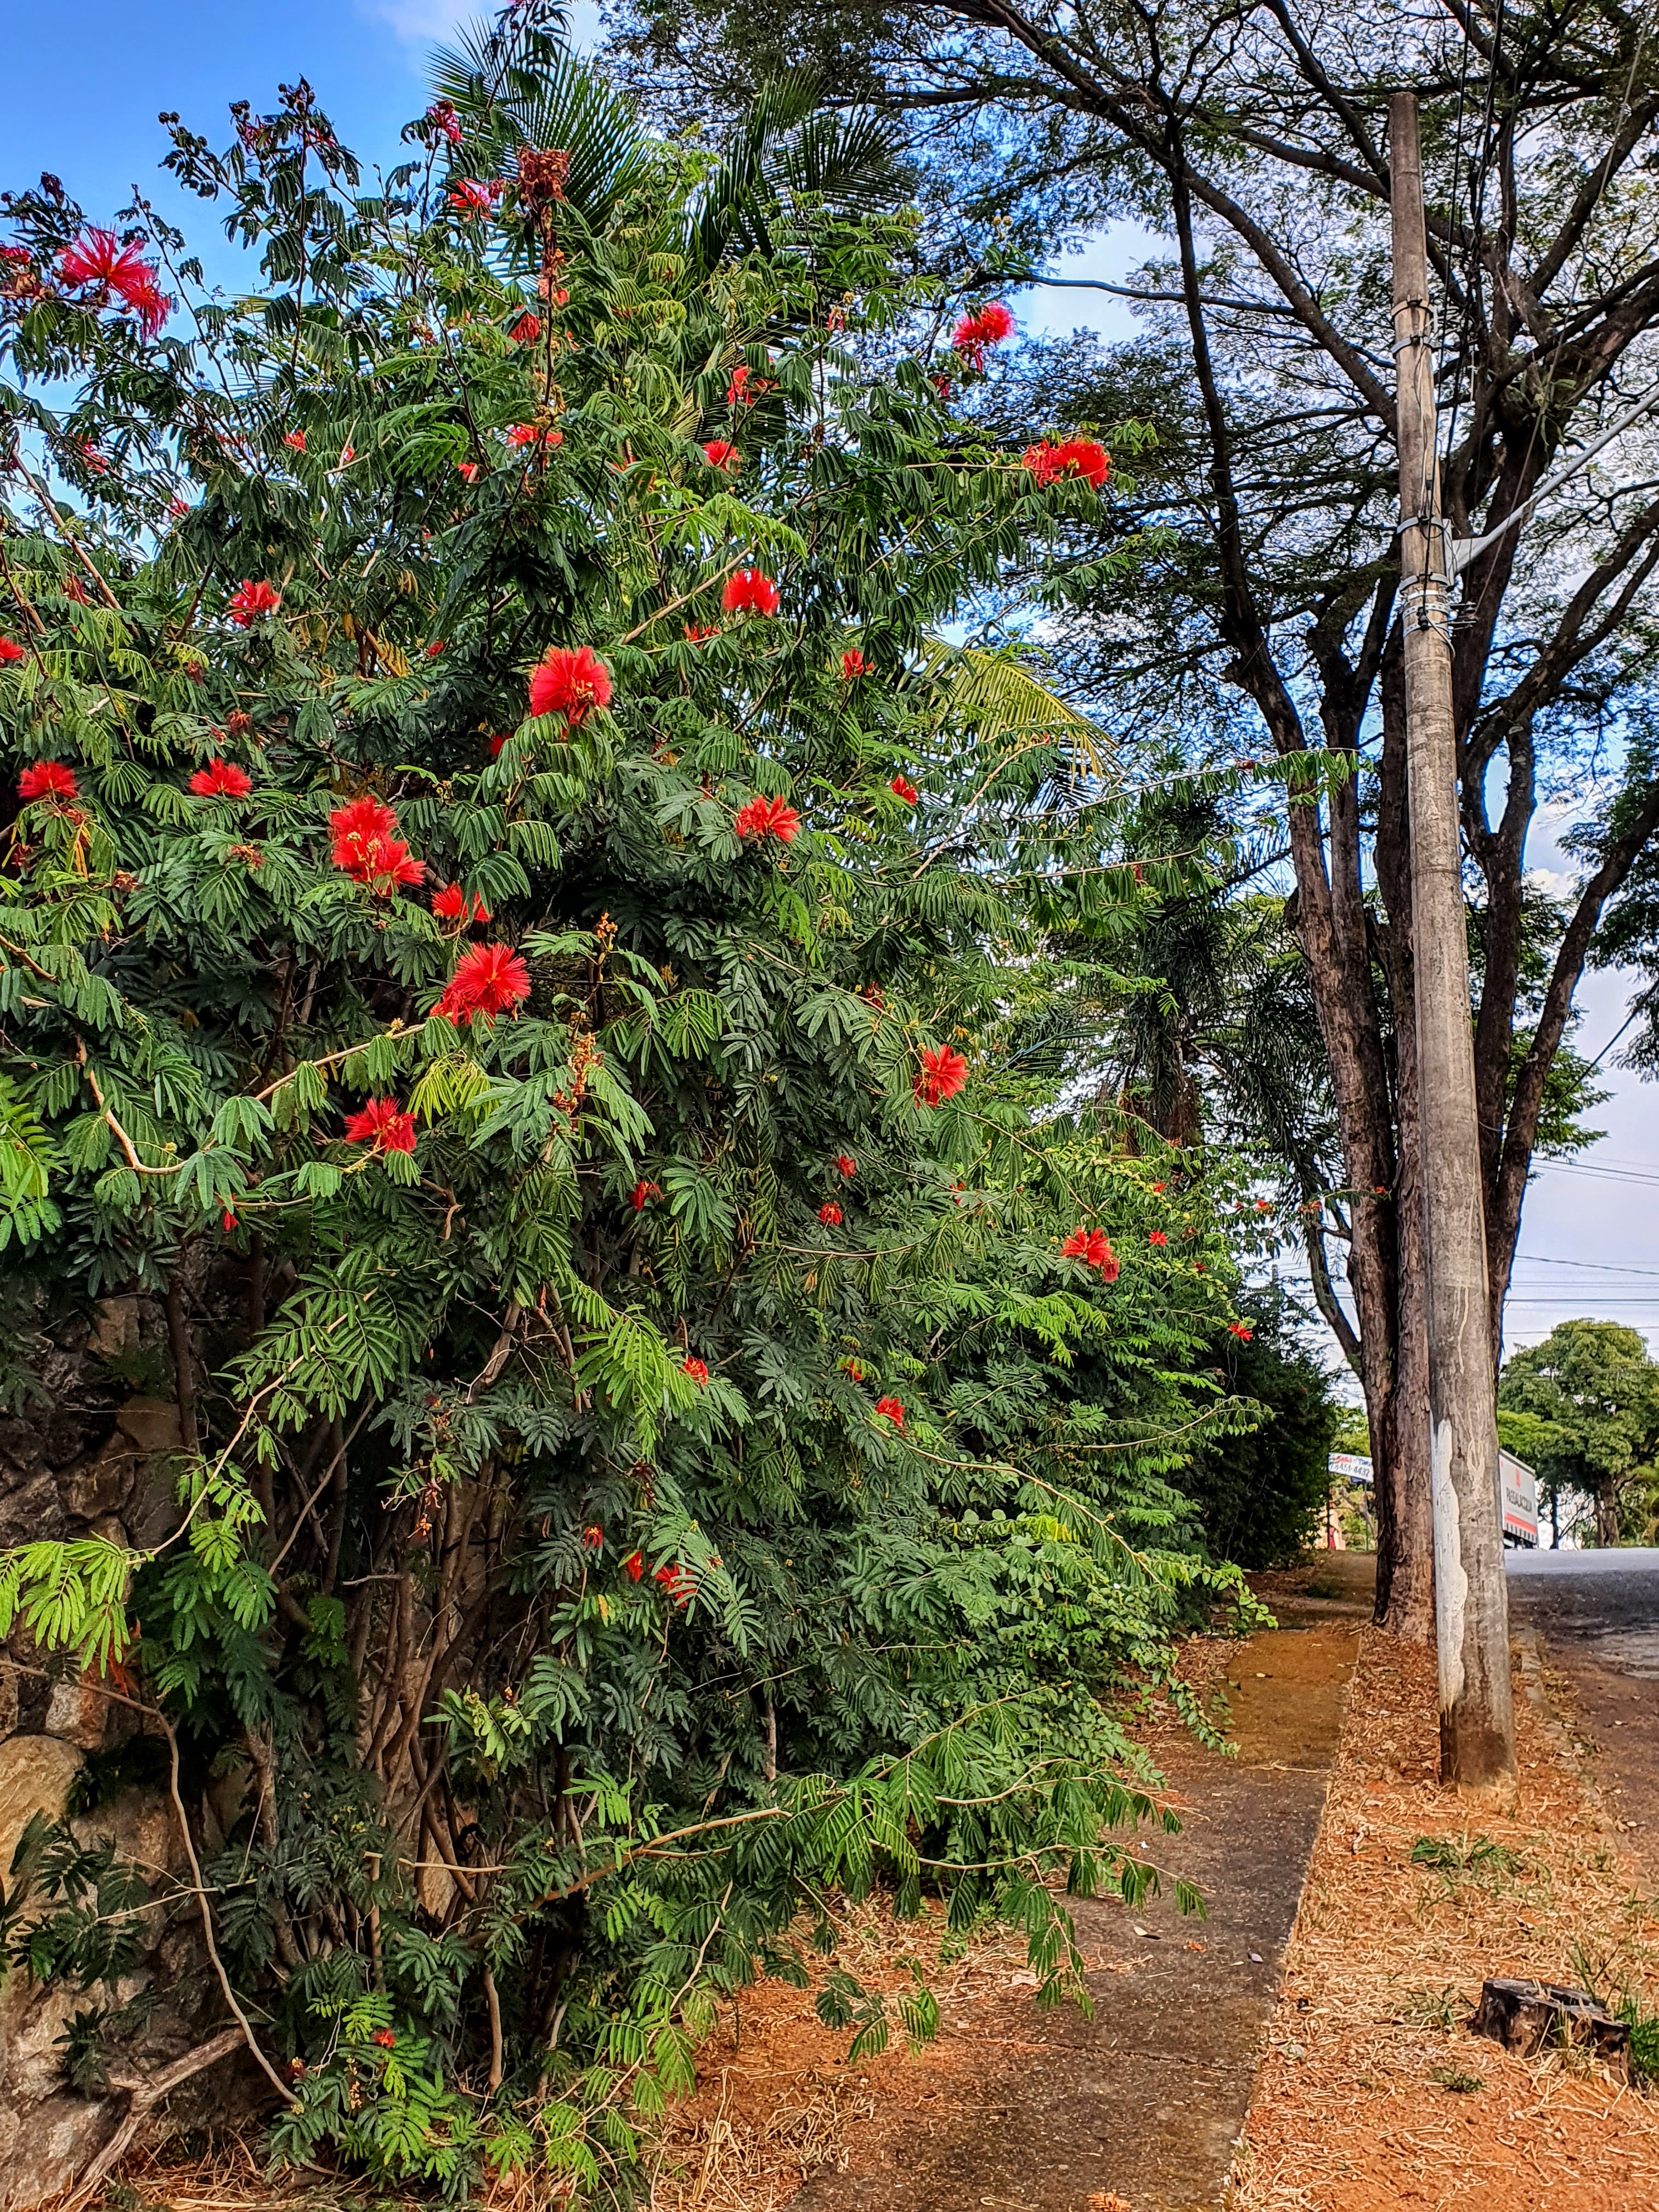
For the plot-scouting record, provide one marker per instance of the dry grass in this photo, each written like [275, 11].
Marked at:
[1364, 2099]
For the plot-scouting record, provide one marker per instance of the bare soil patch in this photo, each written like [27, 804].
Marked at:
[1372, 2093]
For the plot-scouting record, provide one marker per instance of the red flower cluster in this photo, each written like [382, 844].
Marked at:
[297, 440]
[252, 601]
[746, 388]
[634, 1565]
[592, 1539]
[48, 780]
[1158, 1238]
[368, 847]
[696, 636]
[467, 469]
[385, 2039]
[975, 334]
[526, 330]
[905, 789]
[1077, 457]
[442, 121]
[1241, 1329]
[749, 592]
[675, 1582]
[472, 197]
[221, 779]
[451, 904]
[640, 1194]
[942, 1073]
[829, 1214]
[767, 817]
[846, 1164]
[1091, 1246]
[490, 979]
[10, 648]
[853, 666]
[569, 682]
[527, 434]
[697, 1369]
[892, 1409]
[99, 257]
[720, 453]
[384, 1124]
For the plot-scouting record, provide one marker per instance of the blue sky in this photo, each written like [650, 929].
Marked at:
[83, 102]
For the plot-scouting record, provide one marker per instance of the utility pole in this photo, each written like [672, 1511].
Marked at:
[1477, 1720]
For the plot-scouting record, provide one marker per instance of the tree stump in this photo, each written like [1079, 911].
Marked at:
[1525, 2016]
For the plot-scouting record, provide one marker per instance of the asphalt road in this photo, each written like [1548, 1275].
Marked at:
[1597, 1616]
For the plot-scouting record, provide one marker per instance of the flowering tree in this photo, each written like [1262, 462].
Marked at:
[484, 947]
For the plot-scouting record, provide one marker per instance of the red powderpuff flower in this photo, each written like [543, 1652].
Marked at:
[221, 779]
[739, 392]
[569, 681]
[99, 257]
[721, 453]
[526, 330]
[635, 1565]
[892, 1409]
[526, 434]
[942, 1074]
[1241, 1330]
[385, 2038]
[1158, 1238]
[467, 469]
[297, 440]
[846, 1164]
[640, 1193]
[367, 848]
[675, 1581]
[853, 666]
[1077, 457]
[829, 1214]
[693, 635]
[749, 592]
[442, 121]
[975, 334]
[47, 779]
[767, 817]
[490, 979]
[10, 648]
[450, 903]
[252, 600]
[592, 1539]
[905, 789]
[697, 1370]
[384, 1124]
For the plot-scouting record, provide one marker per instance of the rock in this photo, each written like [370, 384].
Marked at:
[115, 1327]
[100, 1485]
[35, 1774]
[44, 2144]
[151, 1424]
[77, 1712]
[1523, 2016]
[29, 1508]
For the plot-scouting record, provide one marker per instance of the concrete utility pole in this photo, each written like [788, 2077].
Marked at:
[1477, 1721]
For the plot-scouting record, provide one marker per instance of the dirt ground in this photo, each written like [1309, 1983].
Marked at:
[1372, 2093]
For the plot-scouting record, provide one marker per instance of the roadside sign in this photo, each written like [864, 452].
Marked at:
[1520, 1499]
[1353, 1467]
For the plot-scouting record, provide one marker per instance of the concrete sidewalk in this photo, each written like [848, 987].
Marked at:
[1146, 2101]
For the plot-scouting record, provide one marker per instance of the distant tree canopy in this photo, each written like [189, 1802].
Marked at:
[1590, 1393]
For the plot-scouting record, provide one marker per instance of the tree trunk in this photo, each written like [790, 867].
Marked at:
[1607, 1513]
